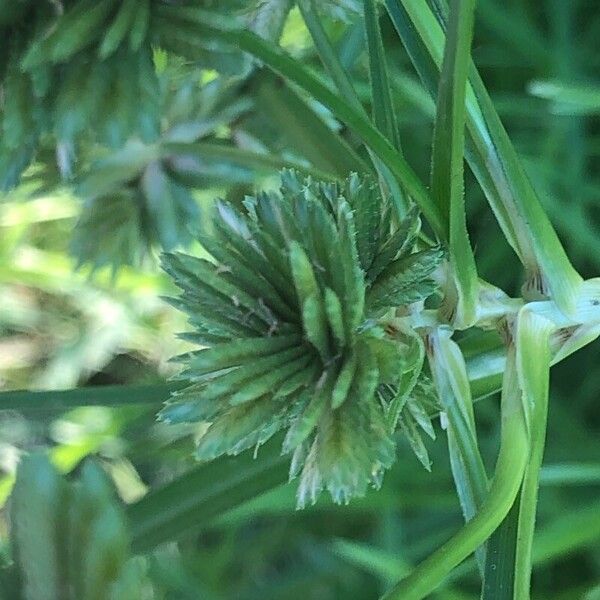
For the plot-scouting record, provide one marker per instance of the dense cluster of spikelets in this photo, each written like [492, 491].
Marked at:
[140, 197]
[73, 71]
[291, 311]
[129, 208]
[83, 71]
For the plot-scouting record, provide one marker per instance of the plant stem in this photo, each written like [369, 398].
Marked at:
[529, 494]
[447, 158]
[464, 483]
[499, 574]
[493, 159]
[512, 460]
[465, 439]
[327, 54]
[343, 83]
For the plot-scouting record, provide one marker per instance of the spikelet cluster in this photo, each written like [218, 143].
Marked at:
[289, 310]
[72, 72]
[140, 197]
[132, 204]
[83, 71]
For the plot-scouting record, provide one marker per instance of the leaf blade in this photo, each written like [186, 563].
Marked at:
[447, 179]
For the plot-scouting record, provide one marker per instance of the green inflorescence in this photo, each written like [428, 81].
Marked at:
[292, 310]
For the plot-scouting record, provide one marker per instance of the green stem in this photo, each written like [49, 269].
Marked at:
[484, 383]
[499, 574]
[468, 470]
[512, 460]
[469, 451]
[529, 494]
[382, 103]
[465, 483]
[450, 375]
[327, 54]
[238, 156]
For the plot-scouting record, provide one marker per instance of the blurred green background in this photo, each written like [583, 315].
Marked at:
[62, 328]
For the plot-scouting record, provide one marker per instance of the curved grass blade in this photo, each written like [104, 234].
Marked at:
[309, 135]
[533, 363]
[294, 71]
[484, 374]
[342, 81]
[510, 468]
[327, 53]
[450, 376]
[106, 395]
[261, 162]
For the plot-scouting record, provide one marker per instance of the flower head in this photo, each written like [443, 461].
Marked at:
[291, 311]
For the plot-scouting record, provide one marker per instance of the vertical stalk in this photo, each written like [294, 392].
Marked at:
[510, 467]
[499, 574]
[328, 55]
[343, 83]
[447, 158]
[533, 358]
[510, 549]
[528, 505]
[495, 162]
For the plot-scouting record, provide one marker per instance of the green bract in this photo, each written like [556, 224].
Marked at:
[293, 310]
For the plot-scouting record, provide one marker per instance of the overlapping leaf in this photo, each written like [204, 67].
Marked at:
[69, 540]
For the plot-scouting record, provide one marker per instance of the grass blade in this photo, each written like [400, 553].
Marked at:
[576, 474]
[447, 179]
[494, 162]
[503, 491]
[499, 575]
[294, 71]
[342, 81]
[185, 505]
[484, 374]
[106, 395]
[510, 548]
[327, 54]
[261, 162]
[326, 149]
[533, 362]
[566, 535]
[384, 114]
[450, 376]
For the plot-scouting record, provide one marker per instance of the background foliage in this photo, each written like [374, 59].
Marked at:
[106, 201]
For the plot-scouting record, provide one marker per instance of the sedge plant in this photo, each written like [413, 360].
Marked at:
[325, 316]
